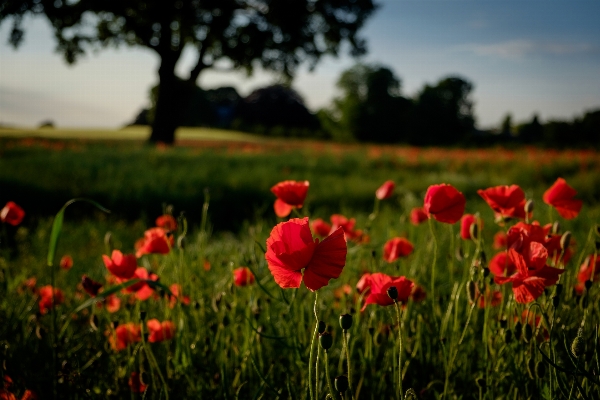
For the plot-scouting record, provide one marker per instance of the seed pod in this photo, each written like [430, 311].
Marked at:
[597, 244]
[559, 289]
[143, 315]
[555, 301]
[483, 257]
[531, 367]
[471, 291]
[474, 231]
[321, 327]
[341, 383]
[597, 229]
[326, 340]
[529, 206]
[503, 323]
[565, 240]
[346, 321]
[556, 227]
[528, 333]
[393, 293]
[508, 336]
[578, 345]
[410, 395]
[480, 382]
[518, 330]
[540, 369]
[588, 284]
[486, 272]
[181, 242]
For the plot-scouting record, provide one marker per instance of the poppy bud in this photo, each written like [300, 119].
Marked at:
[346, 321]
[556, 227]
[508, 336]
[559, 289]
[555, 301]
[597, 229]
[321, 327]
[108, 239]
[528, 334]
[486, 272]
[565, 240]
[480, 382]
[503, 323]
[597, 244]
[393, 293]
[460, 256]
[588, 284]
[531, 367]
[518, 330]
[483, 257]
[471, 291]
[410, 395]
[181, 242]
[474, 231]
[540, 369]
[115, 324]
[529, 206]
[578, 346]
[341, 383]
[326, 340]
[371, 331]
[143, 315]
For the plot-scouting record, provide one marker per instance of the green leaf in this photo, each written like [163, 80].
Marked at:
[57, 226]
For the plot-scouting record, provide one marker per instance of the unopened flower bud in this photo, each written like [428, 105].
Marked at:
[540, 369]
[143, 315]
[555, 301]
[483, 257]
[393, 293]
[326, 340]
[486, 272]
[508, 336]
[556, 227]
[321, 327]
[108, 239]
[588, 284]
[503, 323]
[480, 382]
[559, 289]
[474, 231]
[529, 206]
[518, 330]
[528, 334]
[597, 244]
[471, 291]
[531, 367]
[346, 321]
[181, 242]
[341, 383]
[597, 229]
[578, 346]
[565, 240]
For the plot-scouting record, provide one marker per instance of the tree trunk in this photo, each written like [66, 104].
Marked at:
[166, 117]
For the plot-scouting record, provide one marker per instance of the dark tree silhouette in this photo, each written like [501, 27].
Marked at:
[277, 34]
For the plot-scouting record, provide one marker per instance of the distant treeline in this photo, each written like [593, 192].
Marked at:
[372, 109]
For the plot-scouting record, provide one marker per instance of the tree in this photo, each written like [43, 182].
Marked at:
[276, 34]
[444, 113]
[371, 107]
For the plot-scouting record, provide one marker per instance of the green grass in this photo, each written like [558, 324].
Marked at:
[253, 342]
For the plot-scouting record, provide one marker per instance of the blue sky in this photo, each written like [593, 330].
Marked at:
[523, 57]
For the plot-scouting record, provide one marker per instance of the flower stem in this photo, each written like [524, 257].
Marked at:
[345, 333]
[433, 265]
[331, 391]
[311, 360]
[400, 351]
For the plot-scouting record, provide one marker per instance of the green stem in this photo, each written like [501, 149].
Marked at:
[345, 333]
[311, 360]
[399, 352]
[433, 266]
[153, 362]
[331, 391]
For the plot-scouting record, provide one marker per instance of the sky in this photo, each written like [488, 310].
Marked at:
[526, 58]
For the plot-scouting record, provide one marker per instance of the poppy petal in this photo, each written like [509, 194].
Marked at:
[285, 277]
[282, 209]
[528, 289]
[329, 258]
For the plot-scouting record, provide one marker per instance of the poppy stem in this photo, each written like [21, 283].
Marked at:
[433, 265]
[332, 392]
[400, 350]
[311, 360]
[345, 334]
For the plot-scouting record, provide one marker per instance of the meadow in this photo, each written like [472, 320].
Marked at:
[458, 333]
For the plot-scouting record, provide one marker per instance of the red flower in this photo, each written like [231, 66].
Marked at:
[363, 283]
[160, 331]
[506, 201]
[289, 194]
[29, 395]
[465, 225]
[135, 383]
[490, 298]
[141, 289]
[12, 214]
[66, 262]
[291, 248]
[166, 222]
[532, 274]
[395, 248]
[112, 303]
[418, 216]
[243, 276]
[502, 265]
[177, 295]
[386, 190]
[120, 265]
[6, 395]
[90, 285]
[380, 283]
[155, 241]
[125, 335]
[320, 227]
[499, 240]
[338, 220]
[45, 302]
[418, 293]
[585, 271]
[560, 196]
[444, 203]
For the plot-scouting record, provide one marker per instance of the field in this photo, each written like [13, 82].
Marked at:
[460, 335]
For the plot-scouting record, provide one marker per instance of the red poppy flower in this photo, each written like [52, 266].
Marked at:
[418, 216]
[338, 220]
[506, 201]
[120, 265]
[490, 299]
[291, 248]
[560, 196]
[177, 295]
[45, 302]
[124, 335]
[29, 395]
[502, 265]
[320, 227]
[12, 214]
[395, 248]
[112, 303]
[380, 283]
[342, 291]
[585, 271]
[499, 240]
[418, 293]
[444, 203]
[532, 274]
[160, 331]
[243, 276]
[141, 289]
[386, 190]
[66, 262]
[135, 383]
[6, 395]
[166, 222]
[363, 283]
[90, 285]
[465, 225]
[290, 194]
[155, 242]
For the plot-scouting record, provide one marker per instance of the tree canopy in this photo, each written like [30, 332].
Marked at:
[278, 35]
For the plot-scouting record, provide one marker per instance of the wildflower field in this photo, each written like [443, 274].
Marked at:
[297, 270]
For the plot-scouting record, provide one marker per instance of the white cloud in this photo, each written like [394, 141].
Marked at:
[520, 48]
